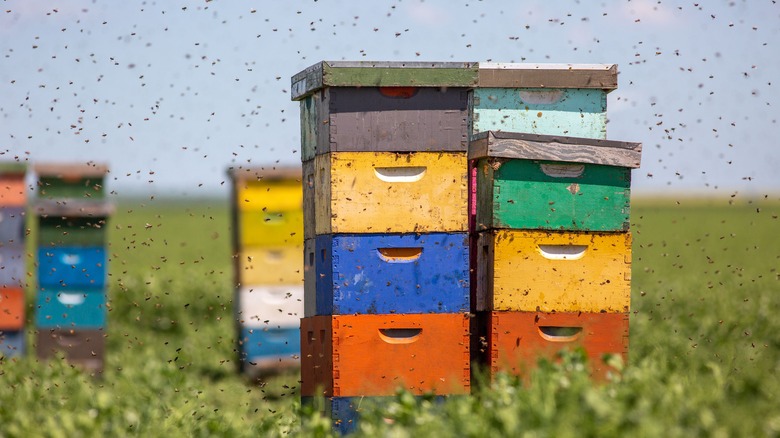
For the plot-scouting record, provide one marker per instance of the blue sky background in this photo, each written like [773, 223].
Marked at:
[170, 94]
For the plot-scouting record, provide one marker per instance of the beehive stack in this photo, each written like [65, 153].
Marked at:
[13, 202]
[71, 311]
[385, 224]
[267, 213]
[549, 216]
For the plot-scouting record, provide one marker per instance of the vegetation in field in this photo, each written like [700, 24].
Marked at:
[704, 349]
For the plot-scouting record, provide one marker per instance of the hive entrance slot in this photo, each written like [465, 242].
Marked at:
[400, 335]
[71, 299]
[537, 97]
[399, 255]
[563, 252]
[398, 92]
[560, 334]
[400, 174]
[559, 170]
[68, 340]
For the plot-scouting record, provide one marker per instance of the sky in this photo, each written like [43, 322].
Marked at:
[170, 94]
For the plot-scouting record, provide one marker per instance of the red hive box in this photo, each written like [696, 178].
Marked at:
[517, 340]
[368, 355]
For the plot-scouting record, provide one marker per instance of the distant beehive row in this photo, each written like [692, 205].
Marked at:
[72, 263]
[267, 228]
[13, 203]
[432, 190]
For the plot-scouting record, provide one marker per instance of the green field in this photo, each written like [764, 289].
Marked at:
[704, 355]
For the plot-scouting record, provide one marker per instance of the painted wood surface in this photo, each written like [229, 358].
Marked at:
[382, 74]
[71, 308]
[72, 231]
[72, 266]
[269, 342]
[13, 192]
[390, 273]
[570, 112]
[516, 145]
[12, 260]
[13, 224]
[271, 228]
[553, 271]
[70, 207]
[420, 353]
[83, 348]
[269, 195]
[71, 171]
[80, 188]
[280, 265]
[12, 343]
[531, 194]
[13, 168]
[518, 340]
[384, 119]
[526, 75]
[262, 306]
[382, 192]
[12, 310]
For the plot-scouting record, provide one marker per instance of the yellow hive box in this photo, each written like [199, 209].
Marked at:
[385, 192]
[270, 228]
[520, 270]
[276, 265]
[269, 195]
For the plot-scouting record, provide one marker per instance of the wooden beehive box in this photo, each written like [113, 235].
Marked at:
[521, 270]
[388, 273]
[514, 342]
[383, 106]
[266, 206]
[71, 181]
[385, 192]
[372, 355]
[555, 99]
[528, 181]
[84, 348]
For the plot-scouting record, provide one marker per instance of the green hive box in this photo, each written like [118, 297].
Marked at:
[528, 181]
[74, 181]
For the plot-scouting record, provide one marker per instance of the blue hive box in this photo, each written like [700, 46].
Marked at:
[71, 308]
[390, 273]
[260, 343]
[70, 266]
[12, 343]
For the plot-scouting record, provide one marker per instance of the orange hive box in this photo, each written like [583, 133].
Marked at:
[517, 340]
[11, 308]
[368, 355]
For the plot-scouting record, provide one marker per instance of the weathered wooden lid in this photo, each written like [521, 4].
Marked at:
[520, 75]
[70, 170]
[382, 74]
[12, 168]
[555, 148]
[269, 173]
[73, 208]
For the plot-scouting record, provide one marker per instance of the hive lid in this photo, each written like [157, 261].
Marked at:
[522, 75]
[516, 145]
[382, 74]
[269, 173]
[73, 208]
[70, 170]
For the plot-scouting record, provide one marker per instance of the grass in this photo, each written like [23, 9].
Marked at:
[704, 355]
